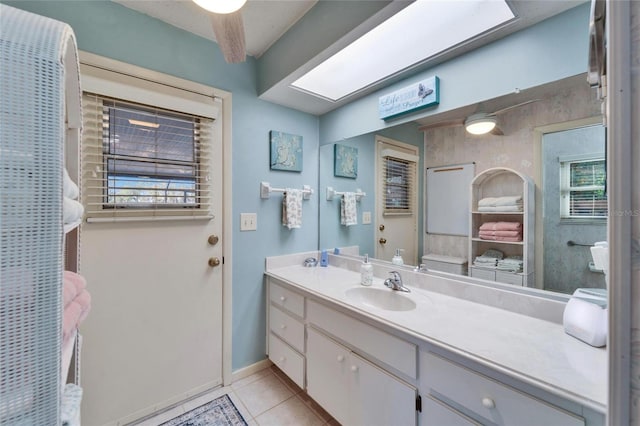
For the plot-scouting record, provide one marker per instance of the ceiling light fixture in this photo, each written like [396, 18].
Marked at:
[479, 124]
[221, 6]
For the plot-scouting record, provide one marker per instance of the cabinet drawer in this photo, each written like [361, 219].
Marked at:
[286, 327]
[287, 360]
[490, 399]
[286, 299]
[485, 274]
[510, 278]
[383, 346]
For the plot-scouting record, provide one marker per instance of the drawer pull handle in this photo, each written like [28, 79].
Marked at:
[340, 358]
[281, 359]
[283, 326]
[488, 403]
[282, 298]
[354, 368]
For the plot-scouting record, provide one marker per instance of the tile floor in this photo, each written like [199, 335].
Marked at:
[266, 398]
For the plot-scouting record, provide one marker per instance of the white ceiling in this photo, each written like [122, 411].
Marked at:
[265, 21]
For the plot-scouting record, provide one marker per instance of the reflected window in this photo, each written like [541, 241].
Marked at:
[582, 189]
[398, 185]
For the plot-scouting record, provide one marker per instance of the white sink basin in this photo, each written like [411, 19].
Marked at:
[389, 300]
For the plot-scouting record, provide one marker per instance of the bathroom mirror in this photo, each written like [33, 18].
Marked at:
[535, 135]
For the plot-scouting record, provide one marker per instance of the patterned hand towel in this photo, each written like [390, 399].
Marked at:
[292, 208]
[348, 209]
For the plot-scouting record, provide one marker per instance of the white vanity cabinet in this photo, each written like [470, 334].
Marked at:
[353, 390]
[363, 370]
[463, 394]
[286, 331]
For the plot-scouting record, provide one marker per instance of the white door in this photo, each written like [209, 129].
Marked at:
[327, 375]
[396, 200]
[154, 335]
[378, 398]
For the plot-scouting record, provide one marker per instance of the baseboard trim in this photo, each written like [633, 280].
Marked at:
[250, 369]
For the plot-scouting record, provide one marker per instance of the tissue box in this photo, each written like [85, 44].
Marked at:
[586, 316]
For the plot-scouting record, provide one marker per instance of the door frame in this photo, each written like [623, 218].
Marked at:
[225, 99]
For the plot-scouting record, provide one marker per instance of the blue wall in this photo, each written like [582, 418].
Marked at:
[332, 233]
[109, 29]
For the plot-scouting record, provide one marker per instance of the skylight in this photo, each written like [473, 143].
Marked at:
[418, 32]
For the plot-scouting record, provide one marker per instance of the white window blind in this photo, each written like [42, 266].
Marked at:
[582, 189]
[141, 162]
[398, 182]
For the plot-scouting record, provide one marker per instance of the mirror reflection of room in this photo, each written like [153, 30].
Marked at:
[559, 244]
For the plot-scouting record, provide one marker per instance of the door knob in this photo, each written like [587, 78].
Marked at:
[382, 240]
[213, 240]
[214, 261]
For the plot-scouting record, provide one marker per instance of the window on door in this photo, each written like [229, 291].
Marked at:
[398, 185]
[144, 159]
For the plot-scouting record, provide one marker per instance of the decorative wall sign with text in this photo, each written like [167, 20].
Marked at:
[420, 95]
[286, 151]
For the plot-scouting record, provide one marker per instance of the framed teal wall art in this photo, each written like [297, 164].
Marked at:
[345, 161]
[286, 151]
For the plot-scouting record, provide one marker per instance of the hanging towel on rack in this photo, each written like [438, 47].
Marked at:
[292, 208]
[348, 209]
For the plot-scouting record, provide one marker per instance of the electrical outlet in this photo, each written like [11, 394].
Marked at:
[366, 218]
[248, 221]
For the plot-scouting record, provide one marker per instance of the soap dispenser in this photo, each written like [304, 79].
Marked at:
[397, 259]
[366, 272]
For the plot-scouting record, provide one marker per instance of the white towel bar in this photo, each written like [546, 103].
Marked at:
[266, 190]
[331, 193]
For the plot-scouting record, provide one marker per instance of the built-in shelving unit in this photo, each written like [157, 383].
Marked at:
[503, 182]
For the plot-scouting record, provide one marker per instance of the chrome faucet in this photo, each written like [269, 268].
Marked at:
[420, 268]
[395, 282]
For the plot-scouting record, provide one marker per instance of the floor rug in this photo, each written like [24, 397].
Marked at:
[219, 412]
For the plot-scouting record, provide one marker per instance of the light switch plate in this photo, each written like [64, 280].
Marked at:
[248, 221]
[366, 218]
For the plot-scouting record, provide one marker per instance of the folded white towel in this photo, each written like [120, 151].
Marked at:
[69, 187]
[348, 209]
[513, 208]
[72, 211]
[501, 201]
[292, 208]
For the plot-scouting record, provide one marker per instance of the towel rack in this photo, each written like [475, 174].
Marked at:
[331, 193]
[266, 190]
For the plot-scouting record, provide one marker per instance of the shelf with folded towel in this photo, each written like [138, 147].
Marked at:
[502, 216]
[266, 189]
[331, 193]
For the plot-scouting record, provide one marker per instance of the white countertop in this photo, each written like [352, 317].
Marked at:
[532, 350]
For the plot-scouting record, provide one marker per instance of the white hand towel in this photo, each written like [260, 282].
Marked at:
[348, 209]
[72, 211]
[69, 188]
[292, 208]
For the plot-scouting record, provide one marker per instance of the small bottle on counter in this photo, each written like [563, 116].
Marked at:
[366, 272]
[397, 259]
